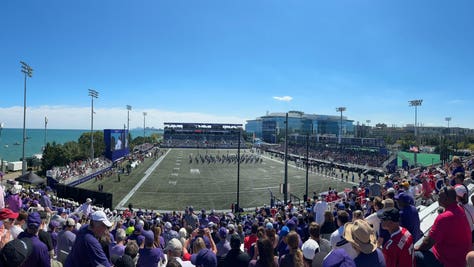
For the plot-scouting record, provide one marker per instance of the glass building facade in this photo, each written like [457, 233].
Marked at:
[271, 127]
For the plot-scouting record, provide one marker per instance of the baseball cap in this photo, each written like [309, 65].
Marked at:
[269, 226]
[33, 220]
[403, 197]
[460, 190]
[99, 216]
[174, 245]
[390, 215]
[309, 248]
[149, 237]
[231, 227]
[168, 226]
[70, 222]
[7, 213]
[341, 206]
[222, 232]
[284, 231]
[15, 252]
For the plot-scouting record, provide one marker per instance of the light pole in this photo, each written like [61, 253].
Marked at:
[93, 94]
[307, 161]
[340, 109]
[28, 71]
[45, 127]
[415, 103]
[448, 119]
[128, 122]
[144, 116]
[237, 206]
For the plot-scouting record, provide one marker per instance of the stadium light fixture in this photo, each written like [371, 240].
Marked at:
[93, 94]
[28, 71]
[448, 119]
[415, 103]
[144, 128]
[128, 122]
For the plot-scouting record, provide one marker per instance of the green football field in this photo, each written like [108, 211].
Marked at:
[171, 182]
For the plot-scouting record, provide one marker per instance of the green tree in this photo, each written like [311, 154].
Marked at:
[85, 143]
[53, 155]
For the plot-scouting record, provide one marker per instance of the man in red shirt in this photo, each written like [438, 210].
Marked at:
[398, 250]
[449, 239]
[251, 239]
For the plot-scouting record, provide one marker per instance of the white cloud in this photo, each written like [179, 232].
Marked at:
[68, 117]
[283, 98]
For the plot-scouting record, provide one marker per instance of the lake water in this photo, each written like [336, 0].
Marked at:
[11, 140]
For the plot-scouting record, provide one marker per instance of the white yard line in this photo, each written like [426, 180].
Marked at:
[148, 172]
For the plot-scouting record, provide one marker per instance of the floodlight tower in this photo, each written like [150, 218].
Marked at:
[448, 119]
[93, 94]
[28, 71]
[128, 122]
[415, 103]
[144, 116]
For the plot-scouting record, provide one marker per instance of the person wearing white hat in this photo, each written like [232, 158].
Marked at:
[87, 243]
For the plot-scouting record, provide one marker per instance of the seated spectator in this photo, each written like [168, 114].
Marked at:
[174, 250]
[449, 239]
[398, 251]
[203, 256]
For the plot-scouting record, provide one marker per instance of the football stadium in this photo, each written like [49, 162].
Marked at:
[198, 165]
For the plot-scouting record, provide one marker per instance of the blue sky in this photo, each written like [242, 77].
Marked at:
[229, 61]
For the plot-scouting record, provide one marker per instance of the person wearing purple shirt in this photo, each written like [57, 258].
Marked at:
[87, 251]
[119, 248]
[409, 217]
[14, 202]
[149, 256]
[40, 255]
[46, 201]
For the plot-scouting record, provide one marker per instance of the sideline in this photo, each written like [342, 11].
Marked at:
[304, 169]
[148, 172]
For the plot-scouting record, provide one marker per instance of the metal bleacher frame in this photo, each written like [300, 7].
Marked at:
[429, 214]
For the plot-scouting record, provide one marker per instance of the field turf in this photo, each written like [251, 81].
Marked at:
[171, 182]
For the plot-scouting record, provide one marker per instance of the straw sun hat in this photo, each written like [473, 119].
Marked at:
[361, 236]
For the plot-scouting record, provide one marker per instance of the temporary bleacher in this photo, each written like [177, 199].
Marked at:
[428, 215]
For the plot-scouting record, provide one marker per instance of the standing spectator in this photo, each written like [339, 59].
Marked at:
[46, 201]
[329, 225]
[2, 192]
[118, 249]
[7, 217]
[190, 219]
[202, 256]
[265, 255]
[17, 227]
[14, 202]
[319, 210]
[362, 238]
[66, 239]
[409, 217]
[223, 246]
[398, 251]
[150, 256]
[87, 243]
[39, 256]
[235, 257]
[169, 233]
[251, 239]
[342, 219]
[174, 250]
[85, 209]
[449, 239]
[295, 257]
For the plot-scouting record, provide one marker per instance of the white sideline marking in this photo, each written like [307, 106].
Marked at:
[147, 174]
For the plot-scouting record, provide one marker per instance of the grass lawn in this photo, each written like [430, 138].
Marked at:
[176, 183]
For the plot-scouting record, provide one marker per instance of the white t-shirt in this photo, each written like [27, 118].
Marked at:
[319, 208]
[374, 220]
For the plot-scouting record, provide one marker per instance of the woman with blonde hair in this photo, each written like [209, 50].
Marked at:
[159, 240]
[295, 257]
